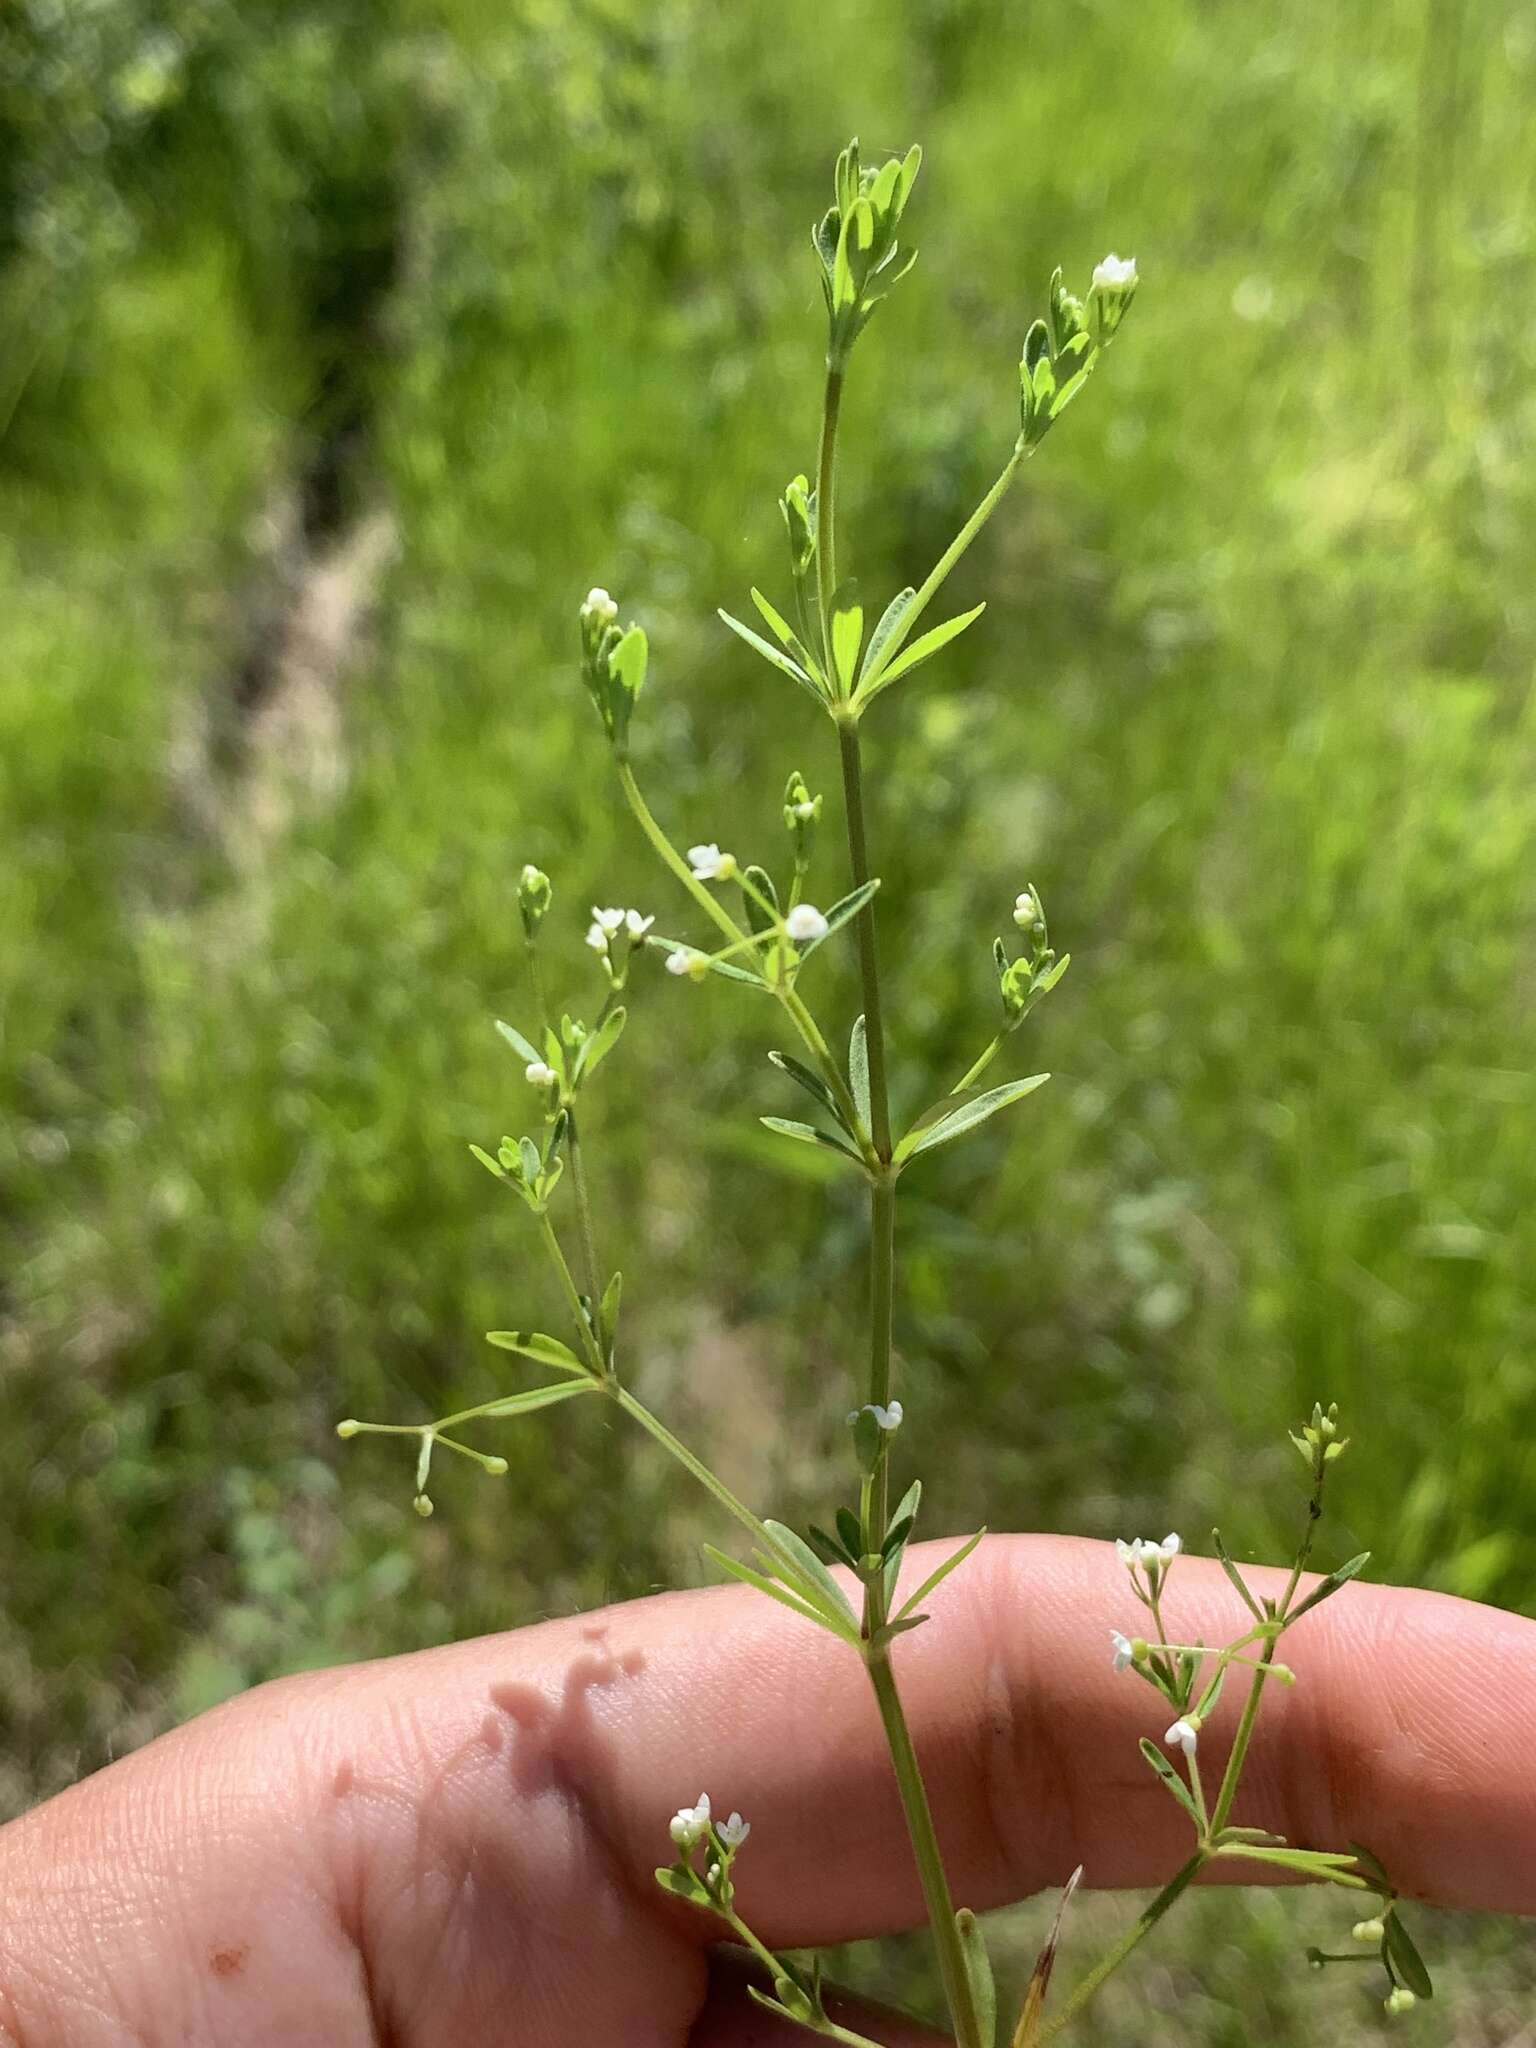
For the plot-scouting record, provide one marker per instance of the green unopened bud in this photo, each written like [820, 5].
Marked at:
[1401, 1999]
[423, 1505]
[534, 894]
[798, 506]
[802, 814]
[1371, 1931]
[348, 1428]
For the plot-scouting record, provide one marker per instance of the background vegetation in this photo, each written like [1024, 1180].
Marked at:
[341, 347]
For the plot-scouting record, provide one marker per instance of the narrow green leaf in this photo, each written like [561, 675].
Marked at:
[809, 1135]
[919, 650]
[890, 619]
[800, 1554]
[683, 1883]
[491, 1165]
[763, 1584]
[858, 1069]
[1236, 1577]
[906, 1508]
[1321, 1864]
[538, 1397]
[849, 1530]
[518, 1043]
[1172, 1780]
[787, 634]
[936, 1579]
[534, 1344]
[608, 1312]
[770, 654]
[1405, 1957]
[808, 1079]
[628, 661]
[1207, 1701]
[976, 1110]
[978, 1967]
[847, 638]
[829, 1548]
[596, 1049]
[1340, 1576]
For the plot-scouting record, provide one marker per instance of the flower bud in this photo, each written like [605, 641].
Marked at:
[802, 814]
[534, 893]
[1371, 1931]
[798, 506]
[1401, 1999]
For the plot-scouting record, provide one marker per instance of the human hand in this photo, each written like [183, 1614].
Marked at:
[456, 1847]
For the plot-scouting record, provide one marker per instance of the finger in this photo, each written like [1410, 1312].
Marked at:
[732, 2019]
[1393, 1736]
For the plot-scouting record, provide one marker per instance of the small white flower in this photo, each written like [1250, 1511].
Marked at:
[600, 605]
[597, 938]
[709, 864]
[1143, 1551]
[1184, 1734]
[1115, 273]
[1026, 909]
[636, 925]
[607, 920]
[1165, 1552]
[684, 961]
[689, 1822]
[887, 1418]
[806, 811]
[734, 1832]
[1124, 1656]
[539, 1074]
[805, 923]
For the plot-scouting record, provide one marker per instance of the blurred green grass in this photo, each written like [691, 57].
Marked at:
[1251, 703]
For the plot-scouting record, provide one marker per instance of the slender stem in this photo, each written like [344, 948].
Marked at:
[974, 1072]
[590, 1268]
[826, 516]
[828, 2028]
[925, 1846]
[676, 1448]
[672, 858]
[882, 1270]
[869, 961]
[572, 1296]
[948, 559]
[1128, 1942]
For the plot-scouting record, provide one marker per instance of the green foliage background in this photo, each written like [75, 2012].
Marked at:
[1251, 702]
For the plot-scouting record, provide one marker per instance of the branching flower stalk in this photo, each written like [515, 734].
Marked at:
[764, 939]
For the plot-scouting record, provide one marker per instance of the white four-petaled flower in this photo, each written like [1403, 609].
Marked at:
[1115, 273]
[1143, 1551]
[597, 938]
[709, 864]
[1184, 1734]
[689, 1822]
[636, 925]
[539, 1073]
[734, 1832]
[886, 1417]
[1124, 1655]
[805, 924]
[686, 961]
[607, 920]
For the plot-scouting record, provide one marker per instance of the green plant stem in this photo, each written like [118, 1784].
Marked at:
[676, 1448]
[590, 1269]
[572, 1294]
[947, 561]
[882, 1267]
[826, 514]
[1125, 1946]
[828, 2029]
[925, 1846]
[978, 1067]
[851, 754]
